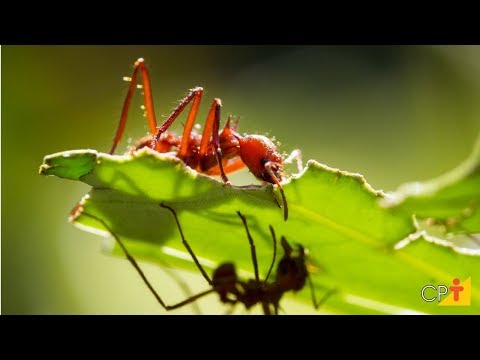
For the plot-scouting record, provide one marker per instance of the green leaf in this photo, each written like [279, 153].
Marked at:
[355, 243]
[69, 164]
[448, 207]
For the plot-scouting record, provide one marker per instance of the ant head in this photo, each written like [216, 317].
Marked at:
[264, 161]
[292, 271]
[256, 152]
[302, 252]
[225, 280]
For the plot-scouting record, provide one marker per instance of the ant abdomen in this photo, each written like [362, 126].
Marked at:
[164, 145]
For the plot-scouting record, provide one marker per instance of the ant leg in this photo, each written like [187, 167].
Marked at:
[212, 127]
[181, 284]
[266, 309]
[252, 246]
[278, 308]
[189, 300]
[189, 249]
[230, 310]
[196, 95]
[325, 297]
[207, 130]
[297, 155]
[130, 258]
[268, 167]
[183, 150]
[274, 254]
[147, 90]
[142, 275]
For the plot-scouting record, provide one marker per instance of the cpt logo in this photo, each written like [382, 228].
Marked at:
[458, 294]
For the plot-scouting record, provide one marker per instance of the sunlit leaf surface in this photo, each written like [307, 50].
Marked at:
[353, 240]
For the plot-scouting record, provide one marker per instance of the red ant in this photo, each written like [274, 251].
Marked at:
[291, 275]
[214, 152]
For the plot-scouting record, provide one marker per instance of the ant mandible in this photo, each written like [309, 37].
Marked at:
[214, 152]
[291, 275]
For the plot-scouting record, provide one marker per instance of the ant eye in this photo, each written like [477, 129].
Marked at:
[263, 161]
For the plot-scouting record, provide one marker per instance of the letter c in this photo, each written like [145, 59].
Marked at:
[423, 293]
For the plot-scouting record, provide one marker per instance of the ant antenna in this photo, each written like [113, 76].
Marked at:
[274, 254]
[252, 246]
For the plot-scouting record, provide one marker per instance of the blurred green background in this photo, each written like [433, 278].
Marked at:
[391, 113]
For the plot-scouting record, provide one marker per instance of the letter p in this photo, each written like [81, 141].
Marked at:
[442, 290]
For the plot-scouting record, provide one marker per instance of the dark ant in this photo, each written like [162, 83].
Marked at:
[214, 152]
[291, 275]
